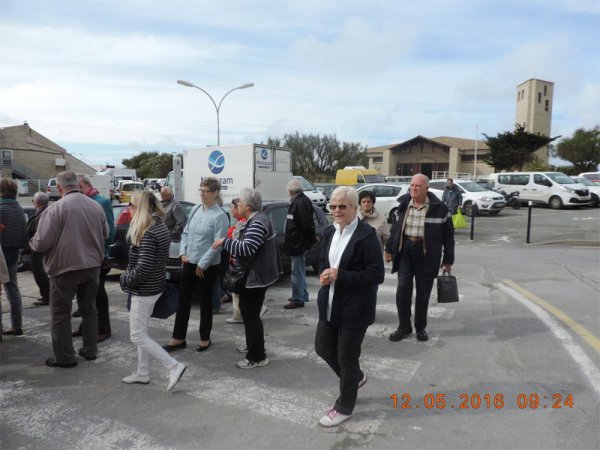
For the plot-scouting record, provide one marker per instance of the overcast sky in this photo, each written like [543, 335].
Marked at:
[99, 77]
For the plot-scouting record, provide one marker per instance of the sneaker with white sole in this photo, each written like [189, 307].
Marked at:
[363, 381]
[233, 320]
[333, 418]
[242, 349]
[136, 378]
[175, 375]
[245, 364]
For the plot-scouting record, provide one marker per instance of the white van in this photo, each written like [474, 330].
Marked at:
[547, 188]
[472, 193]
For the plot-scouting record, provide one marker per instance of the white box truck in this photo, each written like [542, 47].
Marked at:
[262, 167]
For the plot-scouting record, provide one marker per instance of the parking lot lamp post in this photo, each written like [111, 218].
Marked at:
[217, 107]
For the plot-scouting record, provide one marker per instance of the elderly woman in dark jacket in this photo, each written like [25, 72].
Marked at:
[256, 248]
[351, 267]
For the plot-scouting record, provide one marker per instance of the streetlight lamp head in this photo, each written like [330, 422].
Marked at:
[246, 85]
[185, 83]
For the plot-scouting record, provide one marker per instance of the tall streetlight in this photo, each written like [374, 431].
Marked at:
[217, 107]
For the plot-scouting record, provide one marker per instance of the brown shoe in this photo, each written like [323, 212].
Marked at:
[13, 332]
[77, 333]
[294, 305]
[103, 337]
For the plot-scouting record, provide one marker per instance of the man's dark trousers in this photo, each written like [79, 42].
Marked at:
[411, 264]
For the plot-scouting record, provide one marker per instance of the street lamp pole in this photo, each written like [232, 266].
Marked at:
[217, 107]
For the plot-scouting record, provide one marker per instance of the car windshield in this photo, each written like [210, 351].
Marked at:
[374, 179]
[470, 186]
[306, 185]
[584, 181]
[560, 178]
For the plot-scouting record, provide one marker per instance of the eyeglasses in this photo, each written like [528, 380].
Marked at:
[342, 207]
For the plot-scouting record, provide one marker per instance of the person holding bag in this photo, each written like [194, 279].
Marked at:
[145, 280]
[255, 254]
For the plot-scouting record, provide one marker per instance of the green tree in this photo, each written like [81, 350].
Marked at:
[150, 164]
[582, 149]
[514, 149]
[319, 157]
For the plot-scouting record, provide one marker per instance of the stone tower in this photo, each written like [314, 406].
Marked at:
[534, 109]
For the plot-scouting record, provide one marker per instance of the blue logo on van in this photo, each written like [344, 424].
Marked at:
[216, 162]
[264, 153]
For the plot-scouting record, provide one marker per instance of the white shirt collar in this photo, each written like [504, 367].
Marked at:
[348, 229]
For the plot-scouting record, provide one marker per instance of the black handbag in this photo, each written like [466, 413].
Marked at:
[166, 305]
[447, 288]
[235, 279]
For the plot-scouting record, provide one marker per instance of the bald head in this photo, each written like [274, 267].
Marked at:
[166, 193]
[419, 186]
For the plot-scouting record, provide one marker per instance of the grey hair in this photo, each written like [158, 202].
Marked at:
[425, 177]
[68, 180]
[348, 192]
[294, 186]
[41, 198]
[252, 198]
[168, 189]
[85, 179]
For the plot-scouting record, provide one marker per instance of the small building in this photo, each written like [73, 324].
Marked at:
[438, 157]
[28, 155]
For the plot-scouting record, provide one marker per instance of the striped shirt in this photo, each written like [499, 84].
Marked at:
[415, 219]
[255, 234]
[145, 273]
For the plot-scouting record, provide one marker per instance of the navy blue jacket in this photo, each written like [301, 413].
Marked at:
[360, 271]
[439, 232]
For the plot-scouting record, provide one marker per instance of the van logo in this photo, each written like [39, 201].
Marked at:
[216, 162]
[264, 154]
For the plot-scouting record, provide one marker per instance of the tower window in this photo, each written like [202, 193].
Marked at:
[545, 90]
[539, 97]
[547, 106]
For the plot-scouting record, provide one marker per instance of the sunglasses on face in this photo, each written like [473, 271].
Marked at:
[342, 207]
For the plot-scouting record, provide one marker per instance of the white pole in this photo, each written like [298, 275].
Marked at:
[475, 160]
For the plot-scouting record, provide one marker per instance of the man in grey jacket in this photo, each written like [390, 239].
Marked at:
[71, 233]
[175, 218]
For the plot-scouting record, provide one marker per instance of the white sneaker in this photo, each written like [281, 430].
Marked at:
[175, 375]
[363, 381]
[245, 364]
[242, 349]
[135, 378]
[263, 310]
[233, 320]
[333, 418]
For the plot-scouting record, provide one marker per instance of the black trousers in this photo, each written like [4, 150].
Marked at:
[251, 301]
[191, 288]
[102, 304]
[340, 348]
[411, 264]
[39, 275]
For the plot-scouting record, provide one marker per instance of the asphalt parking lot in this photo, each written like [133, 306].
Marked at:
[514, 364]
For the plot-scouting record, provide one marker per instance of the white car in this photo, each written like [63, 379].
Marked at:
[315, 196]
[592, 187]
[386, 197]
[472, 193]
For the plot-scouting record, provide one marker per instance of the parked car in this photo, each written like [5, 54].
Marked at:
[127, 189]
[487, 201]
[52, 190]
[594, 177]
[326, 189]
[276, 210]
[386, 197]
[594, 189]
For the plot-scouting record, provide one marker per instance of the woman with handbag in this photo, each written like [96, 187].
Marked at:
[351, 267]
[257, 265]
[145, 280]
[201, 265]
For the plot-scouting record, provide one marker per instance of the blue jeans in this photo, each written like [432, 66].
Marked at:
[299, 292]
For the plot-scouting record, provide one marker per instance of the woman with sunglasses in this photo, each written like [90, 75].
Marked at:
[145, 280]
[351, 267]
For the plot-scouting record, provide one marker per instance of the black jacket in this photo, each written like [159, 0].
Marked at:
[439, 232]
[299, 226]
[360, 271]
